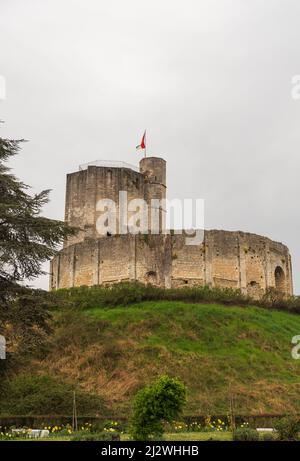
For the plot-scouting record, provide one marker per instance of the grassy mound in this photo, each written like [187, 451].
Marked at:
[218, 351]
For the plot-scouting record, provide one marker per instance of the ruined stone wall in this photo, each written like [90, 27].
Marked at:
[232, 260]
[225, 259]
[85, 188]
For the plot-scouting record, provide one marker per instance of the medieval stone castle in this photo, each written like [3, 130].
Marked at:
[245, 261]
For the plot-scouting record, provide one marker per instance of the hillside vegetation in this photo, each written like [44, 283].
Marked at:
[107, 353]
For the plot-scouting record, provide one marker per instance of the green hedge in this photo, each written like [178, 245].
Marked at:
[288, 428]
[245, 435]
[129, 293]
[41, 395]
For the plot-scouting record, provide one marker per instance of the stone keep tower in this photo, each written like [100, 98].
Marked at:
[238, 260]
[104, 180]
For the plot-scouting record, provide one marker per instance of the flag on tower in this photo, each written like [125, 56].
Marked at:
[143, 142]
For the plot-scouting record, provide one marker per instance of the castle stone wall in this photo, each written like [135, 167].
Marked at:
[224, 259]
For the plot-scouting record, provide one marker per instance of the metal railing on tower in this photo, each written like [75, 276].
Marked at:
[109, 164]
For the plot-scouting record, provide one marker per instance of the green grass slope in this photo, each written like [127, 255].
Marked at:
[218, 351]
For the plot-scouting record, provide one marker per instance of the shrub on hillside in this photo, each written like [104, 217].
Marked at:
[245, 435]
[288, 428]
[159, 402]
[269, 437]
[126, 293]
[25, 322]
[43, 395]
[98, 296]
[276, 300]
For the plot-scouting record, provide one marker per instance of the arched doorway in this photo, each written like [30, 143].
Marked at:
[280, 279]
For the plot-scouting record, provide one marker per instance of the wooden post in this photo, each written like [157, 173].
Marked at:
[74, 417]
[232, 418]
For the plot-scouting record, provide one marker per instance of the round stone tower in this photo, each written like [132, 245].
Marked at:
[153, 170]
[236, 260]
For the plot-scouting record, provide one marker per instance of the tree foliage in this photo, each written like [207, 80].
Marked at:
[159, 402]
[288, 428]
[45, 395]
[24, 319]
[27, 239]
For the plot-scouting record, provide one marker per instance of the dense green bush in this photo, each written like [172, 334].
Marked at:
[269, 437]
[245, 435]
[288, 428]
[95, 436]
[42, 395]
[159, 402]
[127, 293]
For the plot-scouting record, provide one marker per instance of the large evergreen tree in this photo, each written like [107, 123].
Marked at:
[26, 239]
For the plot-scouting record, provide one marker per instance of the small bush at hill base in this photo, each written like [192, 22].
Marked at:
[288, 428]
[37, 395]
[269, 437]
[245, 435]
[159, 402]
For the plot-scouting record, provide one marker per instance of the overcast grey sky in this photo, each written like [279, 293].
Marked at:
[209, 79]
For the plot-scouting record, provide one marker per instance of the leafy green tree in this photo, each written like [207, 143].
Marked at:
[159, 402]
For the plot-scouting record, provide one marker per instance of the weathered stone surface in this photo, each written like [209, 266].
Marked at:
[225, 259]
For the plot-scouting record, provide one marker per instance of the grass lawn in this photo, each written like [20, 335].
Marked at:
[200, 436]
